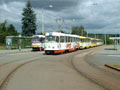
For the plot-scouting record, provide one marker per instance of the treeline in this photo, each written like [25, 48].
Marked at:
[80, 30]
[104, 37]
[6, 30]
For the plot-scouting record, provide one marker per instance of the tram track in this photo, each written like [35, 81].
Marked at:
[14, 65]
[72, 65]
[8, 74]
[92, 64]
[100, 77]
[15, 60]
[85, 75]
[70, 60]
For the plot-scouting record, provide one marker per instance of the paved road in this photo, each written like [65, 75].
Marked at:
[106, 56]
[47, 73]
[5, 58]
[71, 71]
[15, 51]
[96, 71]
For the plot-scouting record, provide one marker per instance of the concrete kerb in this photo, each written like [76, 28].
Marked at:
[112, 67]
[4, 53]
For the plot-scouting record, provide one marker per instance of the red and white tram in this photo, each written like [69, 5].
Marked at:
[56, 42]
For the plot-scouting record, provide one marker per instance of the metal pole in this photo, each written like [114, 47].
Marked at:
[20, 42]
[70, 29]
[50, 6]
[87, 34]
[105, 39]
[42, 22]
[116, 43]
[95, 36]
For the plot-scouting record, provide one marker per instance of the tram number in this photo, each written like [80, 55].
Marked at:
[68, 46]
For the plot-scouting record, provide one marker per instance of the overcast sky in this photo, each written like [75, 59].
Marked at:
[97, 16]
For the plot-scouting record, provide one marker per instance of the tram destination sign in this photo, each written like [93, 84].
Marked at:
[114, 38]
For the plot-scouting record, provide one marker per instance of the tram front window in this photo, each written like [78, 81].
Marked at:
[37, 39]
[52, 39]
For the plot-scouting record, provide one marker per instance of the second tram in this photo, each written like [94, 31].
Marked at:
[38, 42]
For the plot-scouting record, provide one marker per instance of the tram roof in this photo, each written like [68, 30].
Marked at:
[38, 36]
[115, 38]
[98, 39]
[60, 34]
[82, 37]
[92, 38]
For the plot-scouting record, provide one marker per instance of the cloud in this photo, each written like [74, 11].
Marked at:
[97, 16]
[11, 12]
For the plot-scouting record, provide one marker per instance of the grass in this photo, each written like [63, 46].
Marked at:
[116, 66]
[3, 47]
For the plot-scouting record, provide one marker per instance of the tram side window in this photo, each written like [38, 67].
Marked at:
[77, 39]
[42, 40]
[68, 39]
[72, 39]
[65, 39]
[82, 40]
[62, 39]
[86, 40]
[57, 39]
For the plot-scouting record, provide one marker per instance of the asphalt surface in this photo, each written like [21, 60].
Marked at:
[15, 51]
[68, 71]
[8, 57]
[49, 72]
[106, 56]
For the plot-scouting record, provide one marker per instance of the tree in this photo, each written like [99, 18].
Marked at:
[3, 27]
[11, 30]
[6, 31]
[28, 21]
[3, 30]
[79, 30]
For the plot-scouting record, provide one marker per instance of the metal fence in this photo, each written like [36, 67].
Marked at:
[18, 42]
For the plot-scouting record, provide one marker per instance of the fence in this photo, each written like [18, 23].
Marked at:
[14, 42]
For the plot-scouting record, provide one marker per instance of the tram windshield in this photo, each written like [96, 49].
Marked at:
[52, 39]
[38, 39]
[94, 41]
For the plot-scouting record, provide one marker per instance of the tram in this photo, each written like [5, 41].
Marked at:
[93, 42]
[99, 42]
[84, 42]
[38, 42]
[59, 42]
[56, 42]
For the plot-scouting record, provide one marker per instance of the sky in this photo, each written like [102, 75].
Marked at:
[97, 16]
